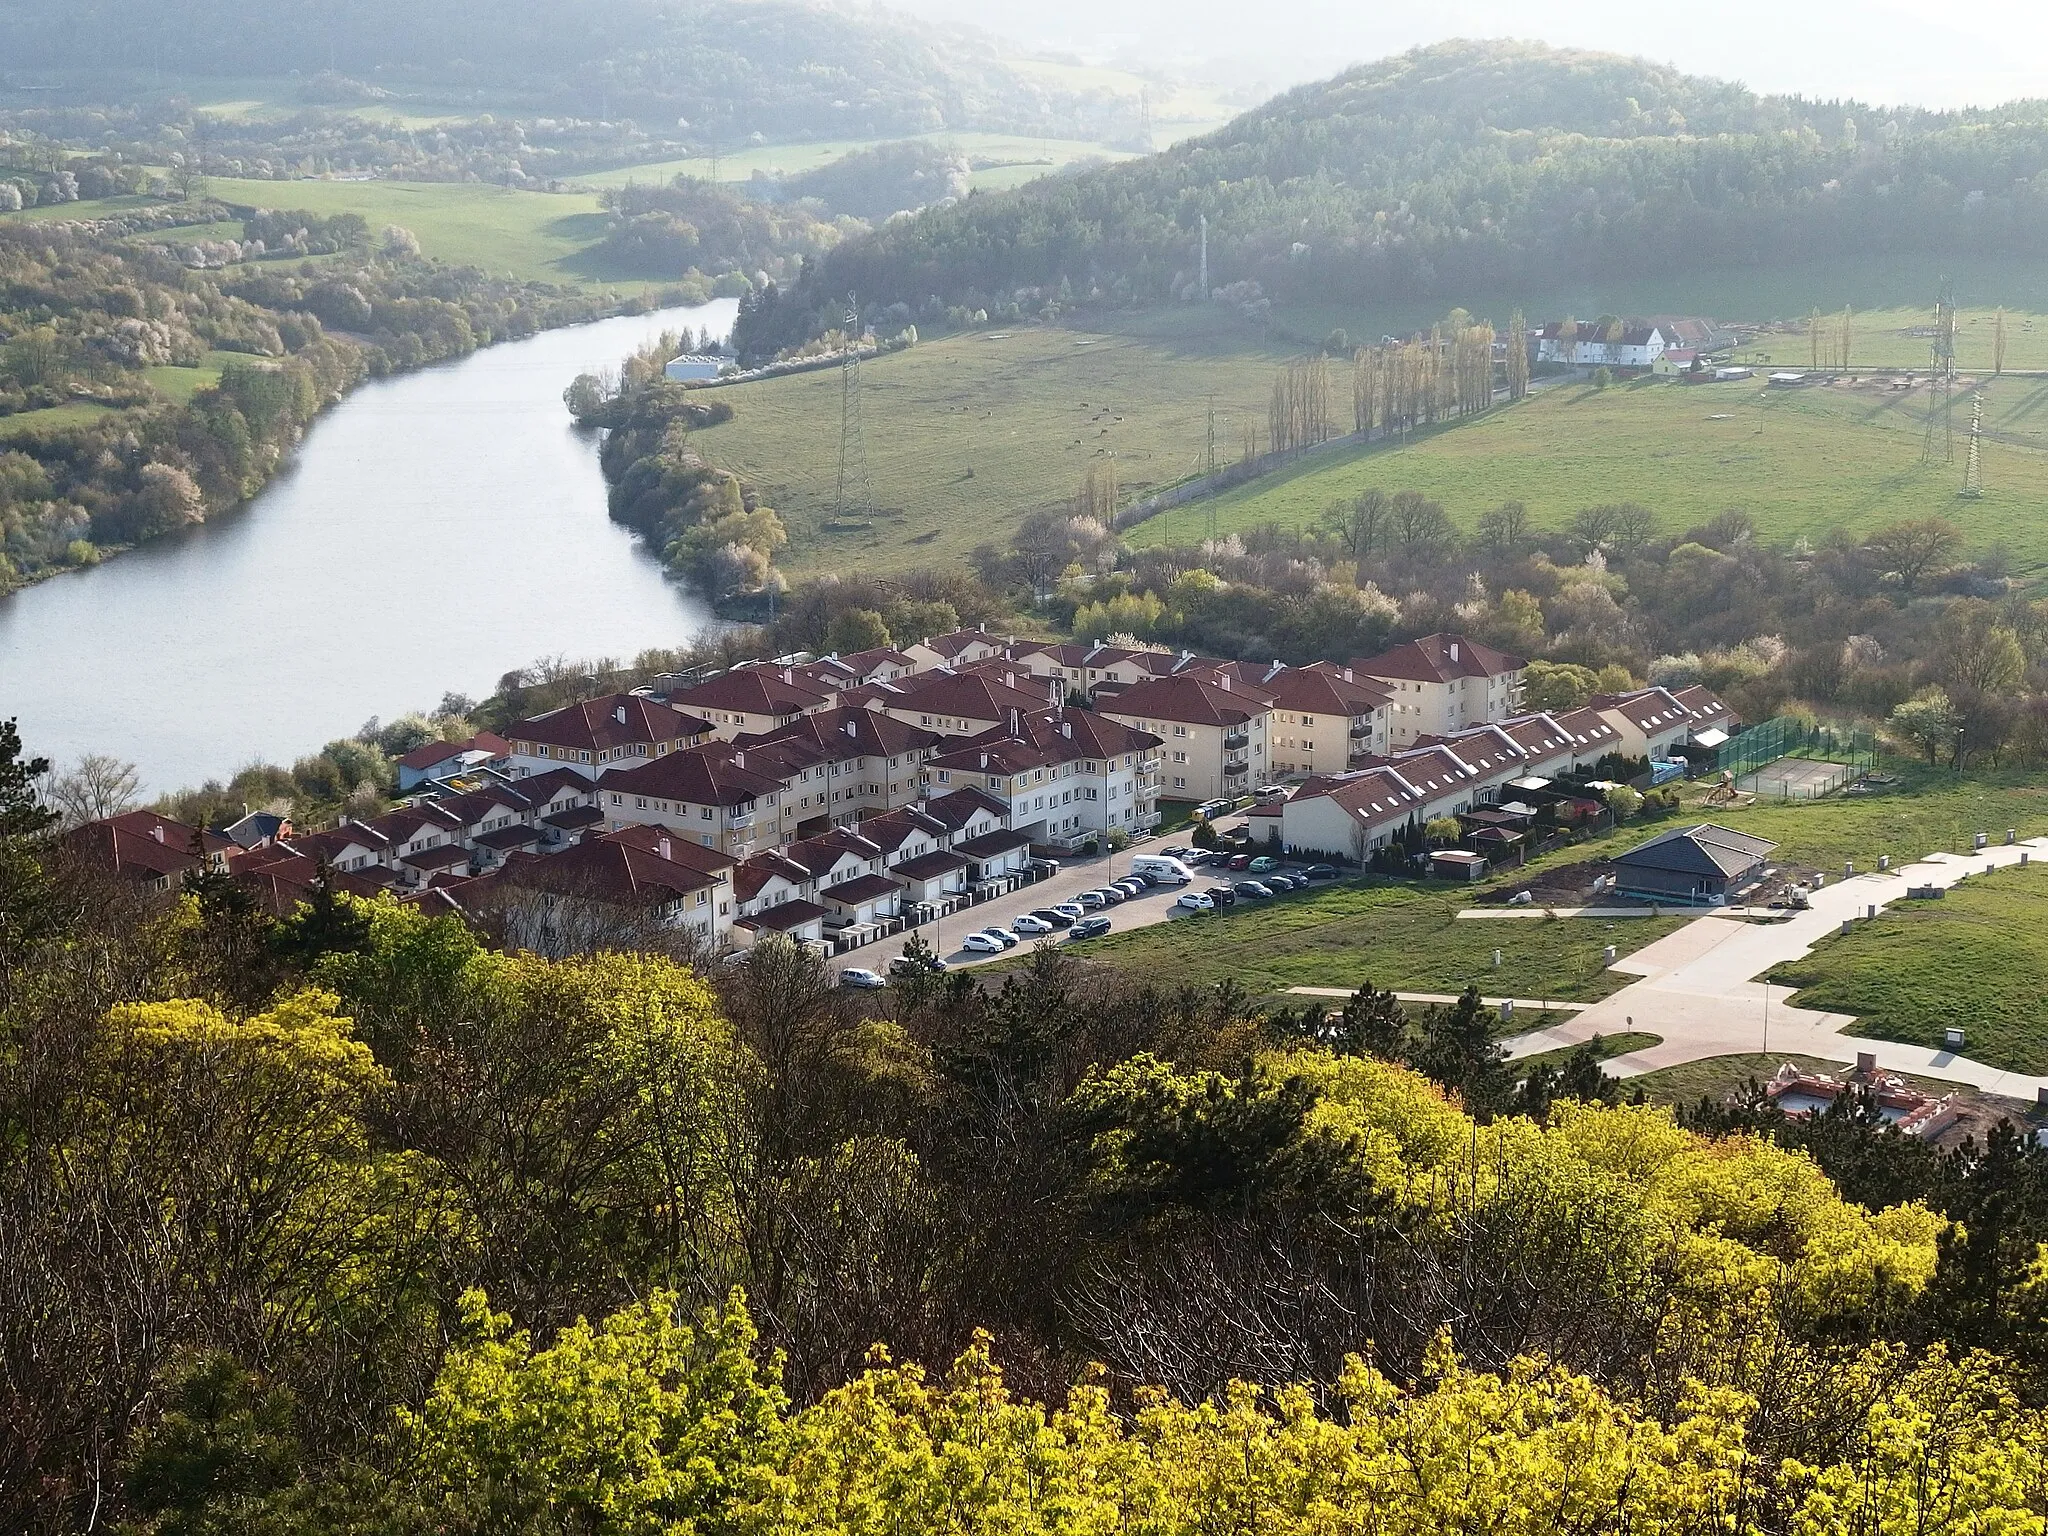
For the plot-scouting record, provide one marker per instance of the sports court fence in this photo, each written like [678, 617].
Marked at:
[1789, 736]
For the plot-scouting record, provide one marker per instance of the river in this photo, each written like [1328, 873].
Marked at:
[433, 532]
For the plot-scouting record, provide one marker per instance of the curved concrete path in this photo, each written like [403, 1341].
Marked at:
[1697, 988]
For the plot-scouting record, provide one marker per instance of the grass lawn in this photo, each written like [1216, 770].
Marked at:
[1977, 959]
[967, 434]
[1717, 1077]
[1802, 461]
[180, 384]
[1605, 1048]
[1394, 937]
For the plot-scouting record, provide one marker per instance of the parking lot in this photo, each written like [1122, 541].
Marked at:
[1076, 875]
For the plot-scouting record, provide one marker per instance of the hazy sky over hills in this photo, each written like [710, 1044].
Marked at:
[1936, 53]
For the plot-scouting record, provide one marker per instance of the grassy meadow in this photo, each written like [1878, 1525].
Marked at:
[967, 434]
[1008, 159]
[1978, 959]
[1392, 936]
[1802, 461]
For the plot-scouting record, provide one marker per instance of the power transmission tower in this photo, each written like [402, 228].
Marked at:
[853, 497]
[1941, 392]
[1973, 467]
[1209, 444]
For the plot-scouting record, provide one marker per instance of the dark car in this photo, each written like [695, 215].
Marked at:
[1320, 872]
[1251, 890]
[1089, 928]
[1222, 895]
[1281, 880]
[905, 965]
[1056, 918]
[1241, 861]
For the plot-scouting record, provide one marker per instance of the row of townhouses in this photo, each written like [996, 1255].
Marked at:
[837, 796]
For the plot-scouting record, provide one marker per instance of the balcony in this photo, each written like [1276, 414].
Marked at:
[1236, 770]
[1234, 741]
[1361, 729]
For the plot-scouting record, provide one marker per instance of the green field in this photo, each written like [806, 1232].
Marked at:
[76, 414]
[1977, 959]
[1802, 461]
[1009, 159]
[537, 236]
[966, 434]
[1394, 937]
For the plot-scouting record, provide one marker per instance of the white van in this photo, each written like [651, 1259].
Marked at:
[1158, 867]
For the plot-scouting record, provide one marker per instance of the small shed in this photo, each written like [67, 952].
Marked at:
[691, 368]
[1457, 864]
[1706, 863]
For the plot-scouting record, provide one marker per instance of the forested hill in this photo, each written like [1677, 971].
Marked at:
[1470, 167]
[785, 68]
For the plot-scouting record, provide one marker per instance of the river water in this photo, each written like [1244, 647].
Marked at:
[434, 531]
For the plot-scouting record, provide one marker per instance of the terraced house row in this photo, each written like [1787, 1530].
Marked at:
[836, 797]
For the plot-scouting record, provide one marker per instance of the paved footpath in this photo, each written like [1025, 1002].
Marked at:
[1697, 988]
[1529, 1003]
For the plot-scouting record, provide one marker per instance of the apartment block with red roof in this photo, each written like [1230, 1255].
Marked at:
[954, 649]
[756, 699]
[619, 730]
[1444, 683]
[1064, 777]
[966, 703]
[710, 795]
[1213, 733]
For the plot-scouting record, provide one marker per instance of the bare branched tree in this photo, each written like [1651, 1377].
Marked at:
[94, 788]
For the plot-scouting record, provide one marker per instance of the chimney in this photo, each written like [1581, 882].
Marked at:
[662, 846]
[788, 675]
[1067, 729]
[1223, 681]
[739, 759]
[1454, 650]
[852, 729]
[984, 760]
[619, 714]
[1347, 675]
[157, 831]
[1016, 725]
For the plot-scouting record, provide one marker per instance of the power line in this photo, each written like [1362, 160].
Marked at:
[1973, 469]
[853, 497]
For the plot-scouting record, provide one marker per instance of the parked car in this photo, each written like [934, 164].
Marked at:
[1239, 861]
[1271, 792]
[904, 965]
[1251, 890]
[1263, 865]
[860, 979]
[1320, 872]
[1221, 895]
[1195, 901]
[1288, 878]
[1089, 928]
[1112, 895]
[1052, 915]
[1131, 886]
[982, 944]
[1072, 911]
[1034, 924]
[1091, 900]
[1003, 936]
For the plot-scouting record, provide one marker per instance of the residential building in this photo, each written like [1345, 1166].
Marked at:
[1213, 735]
[1713, 722]
[1649, 722]
[1326, 718]
[1350, 817]
[1065, 777]
[642, 873]
[754, 700]
[954, 649]
[1443, 683]
[852, 763]
[1623, 345]
[1706, 863]
[966, 703]
[708, 794]
[147, 848]
[436, 760]
[602, 735]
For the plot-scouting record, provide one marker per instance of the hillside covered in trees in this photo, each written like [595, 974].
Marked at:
[728, 68]
[1468, 167]
[350, 1221]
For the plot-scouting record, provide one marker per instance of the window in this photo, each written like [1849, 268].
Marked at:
[707, 813]
[1180, 730]
[1180, 783]
[1179, 757]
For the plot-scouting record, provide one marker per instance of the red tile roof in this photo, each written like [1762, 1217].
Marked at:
[605, 724]
[1184, 700]
[755, 690]
[1439, 659]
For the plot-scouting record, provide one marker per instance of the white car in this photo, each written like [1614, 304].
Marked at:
[1072, 909]
[982, 944]
[1195, 901]
[860, 979]
[1032, 925]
